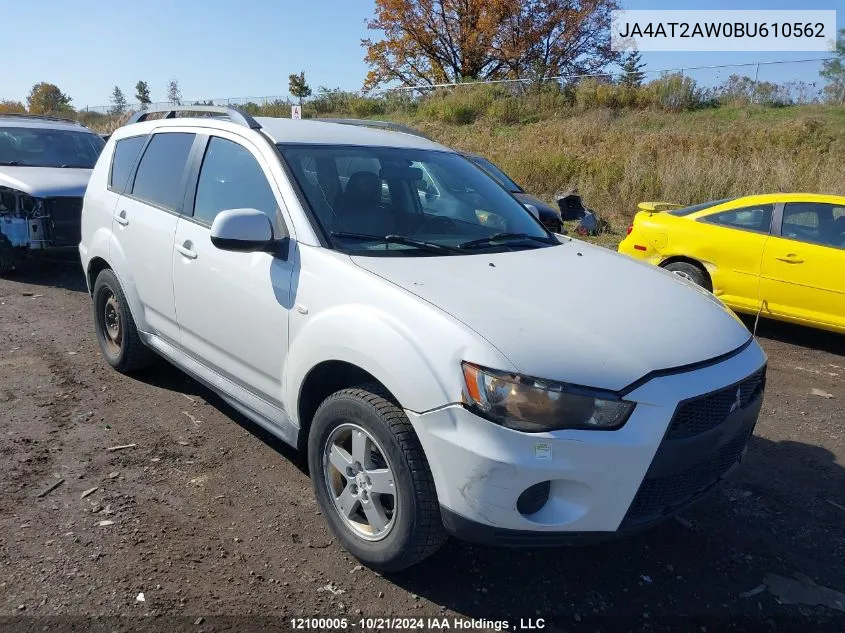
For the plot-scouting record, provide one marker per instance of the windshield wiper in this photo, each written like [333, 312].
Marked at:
[432, 247]
[74, 167]
[503, 237]
[10, 163]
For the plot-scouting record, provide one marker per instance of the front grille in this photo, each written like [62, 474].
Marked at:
[659, 496]
[702, 414]
[65, 221]
[691, 458]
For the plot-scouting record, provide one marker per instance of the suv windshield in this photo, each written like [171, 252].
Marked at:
[44, 147]
[390, 201]
[497, 173]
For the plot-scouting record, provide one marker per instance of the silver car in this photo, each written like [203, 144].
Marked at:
[45, 163]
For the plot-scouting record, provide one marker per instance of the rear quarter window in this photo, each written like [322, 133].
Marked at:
[125, 152]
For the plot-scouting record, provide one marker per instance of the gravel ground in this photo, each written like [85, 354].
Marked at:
[214, 524]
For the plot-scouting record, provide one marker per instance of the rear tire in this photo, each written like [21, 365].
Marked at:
[116, 331]
[387, 531]
[689, 271]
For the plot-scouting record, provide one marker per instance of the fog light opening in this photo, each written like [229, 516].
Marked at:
[533, 498]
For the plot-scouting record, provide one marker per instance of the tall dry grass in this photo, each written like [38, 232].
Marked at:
[619, 158]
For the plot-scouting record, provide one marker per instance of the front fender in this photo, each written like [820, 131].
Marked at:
[417, 358]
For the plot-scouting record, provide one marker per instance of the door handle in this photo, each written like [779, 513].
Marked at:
[121, 218]
[186, 251]
[791, 258]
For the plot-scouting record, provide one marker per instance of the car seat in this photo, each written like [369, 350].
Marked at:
[359, 209]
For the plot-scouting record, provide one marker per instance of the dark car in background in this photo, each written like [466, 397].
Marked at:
[549, 216]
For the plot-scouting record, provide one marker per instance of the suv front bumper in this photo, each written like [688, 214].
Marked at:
[683, 437]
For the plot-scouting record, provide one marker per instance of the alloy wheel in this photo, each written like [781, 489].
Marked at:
[360, 482]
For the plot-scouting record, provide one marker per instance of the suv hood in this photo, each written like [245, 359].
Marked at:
[46, 182]
[601, 319]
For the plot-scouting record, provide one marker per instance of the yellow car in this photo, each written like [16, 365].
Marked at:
[780, 254]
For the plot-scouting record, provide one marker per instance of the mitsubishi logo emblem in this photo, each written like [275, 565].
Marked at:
[737, 403]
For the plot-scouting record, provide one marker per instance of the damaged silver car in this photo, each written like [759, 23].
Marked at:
[45, 163]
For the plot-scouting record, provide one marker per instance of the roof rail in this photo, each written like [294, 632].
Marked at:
[235, 115]
[42, 117]
[384, 125]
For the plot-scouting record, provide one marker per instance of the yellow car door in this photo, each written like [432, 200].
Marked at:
[803, 269]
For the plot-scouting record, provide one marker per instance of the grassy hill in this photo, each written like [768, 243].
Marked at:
[619, 158]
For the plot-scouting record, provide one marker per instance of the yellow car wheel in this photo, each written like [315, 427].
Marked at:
[689, 271]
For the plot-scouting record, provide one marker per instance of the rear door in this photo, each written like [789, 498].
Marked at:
[803, 274]
[144, 223]
[734, 241]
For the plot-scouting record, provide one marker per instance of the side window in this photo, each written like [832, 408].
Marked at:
[125, 153]
[757, 218]
[231, 178]
[814, 222]
[159, 177]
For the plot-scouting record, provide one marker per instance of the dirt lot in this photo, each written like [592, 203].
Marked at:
[216, 524]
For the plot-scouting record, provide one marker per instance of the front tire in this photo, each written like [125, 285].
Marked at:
[372, 480]
[116, 331]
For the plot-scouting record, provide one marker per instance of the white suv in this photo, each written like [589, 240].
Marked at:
[510, 386]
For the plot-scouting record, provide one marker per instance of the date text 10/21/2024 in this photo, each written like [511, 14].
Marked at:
[417, 623]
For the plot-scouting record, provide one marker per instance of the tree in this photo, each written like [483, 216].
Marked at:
[446, 41]
[632, 66]
[553, 38]
[298, 86]
[8, 106]
[45, 98]
[118, 101]
[833, 70]
[174, 95]
[142, 94]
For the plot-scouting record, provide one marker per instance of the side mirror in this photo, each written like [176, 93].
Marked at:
[241, 230]
[533, 210]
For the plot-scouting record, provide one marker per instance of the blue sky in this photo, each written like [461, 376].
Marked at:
[220, 48]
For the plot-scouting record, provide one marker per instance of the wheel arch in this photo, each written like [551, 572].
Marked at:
[674, 259]
[322, 380]
[95, 266]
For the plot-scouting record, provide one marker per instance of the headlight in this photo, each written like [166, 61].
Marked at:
[533, 405]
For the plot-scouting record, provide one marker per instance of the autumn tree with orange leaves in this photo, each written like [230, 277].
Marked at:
[444, 41]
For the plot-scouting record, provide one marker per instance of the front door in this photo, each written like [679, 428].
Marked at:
[803, 273]
[233, 307]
